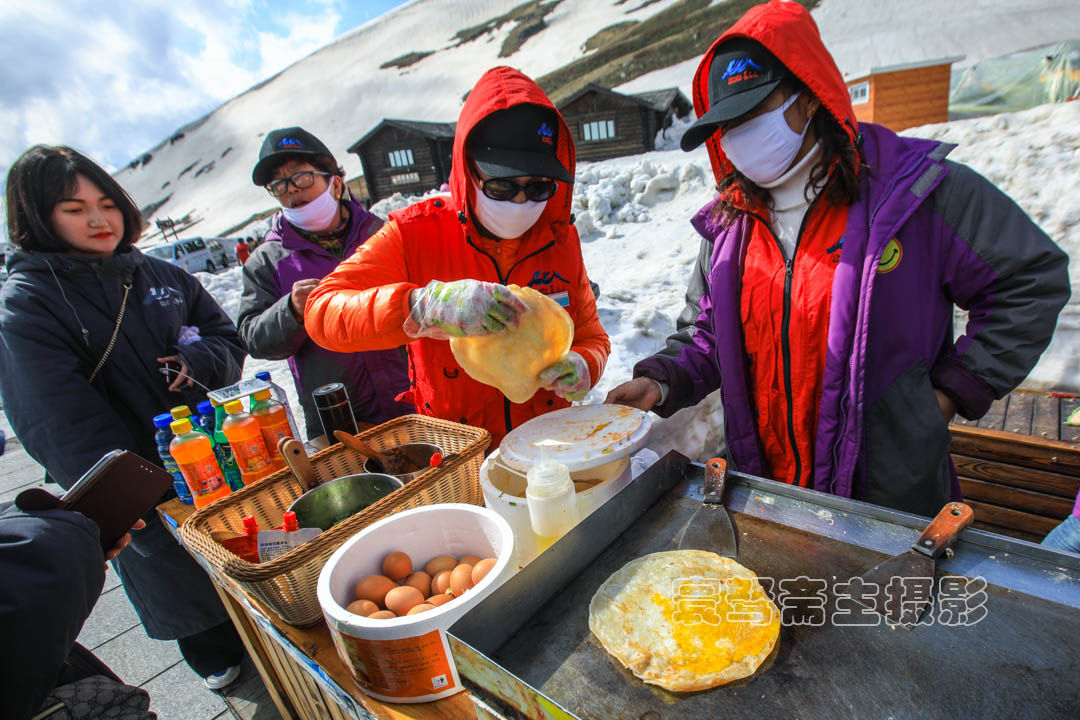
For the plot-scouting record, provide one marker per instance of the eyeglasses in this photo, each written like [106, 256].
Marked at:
[301, 181]
[503, 189]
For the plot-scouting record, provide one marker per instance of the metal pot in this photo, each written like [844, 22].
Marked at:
[408, 455]
[341, 498]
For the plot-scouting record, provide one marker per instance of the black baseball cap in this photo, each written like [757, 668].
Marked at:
[518, 141]
[285, 141]
[741, 76]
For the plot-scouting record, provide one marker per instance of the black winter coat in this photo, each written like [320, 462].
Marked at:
[57, 314]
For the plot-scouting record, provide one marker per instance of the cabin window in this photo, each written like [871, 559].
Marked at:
[860, 93]
[405, 179]
[400, 158]
[598, 130]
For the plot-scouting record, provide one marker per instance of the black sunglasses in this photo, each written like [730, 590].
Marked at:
[301, 181]
[503, 189]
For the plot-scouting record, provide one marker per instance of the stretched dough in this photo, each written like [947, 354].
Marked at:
[511, 361]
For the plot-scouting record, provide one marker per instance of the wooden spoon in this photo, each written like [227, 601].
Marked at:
[296, 457]
[362, 447]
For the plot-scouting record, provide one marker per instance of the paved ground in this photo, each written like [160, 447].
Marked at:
[114, 634]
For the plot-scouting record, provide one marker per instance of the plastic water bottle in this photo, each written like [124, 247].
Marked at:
[552, 501]
[273, 423]
[206, 417]
[245, 438]
[279, 394]
[194, 453]
[163, 437]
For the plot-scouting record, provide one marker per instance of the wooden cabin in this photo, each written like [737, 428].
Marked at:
[903, 96]
[607, 124]
[405, 156]
[358, 187]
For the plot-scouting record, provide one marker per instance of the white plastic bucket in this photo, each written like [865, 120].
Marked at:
[504, 492]
[407, 659]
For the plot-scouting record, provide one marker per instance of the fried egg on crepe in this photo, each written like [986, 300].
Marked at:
[685, 620]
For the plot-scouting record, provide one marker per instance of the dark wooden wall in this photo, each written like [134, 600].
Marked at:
[635, 125]
[907, 98]
[430, 161]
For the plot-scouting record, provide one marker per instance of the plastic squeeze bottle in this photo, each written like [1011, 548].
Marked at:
[195, 456]
[246, 441]
[552, 501]
[278, 393]
[273, 543]
[273, 422]
[163, 437]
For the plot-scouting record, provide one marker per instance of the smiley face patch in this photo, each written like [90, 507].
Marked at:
[890, 257]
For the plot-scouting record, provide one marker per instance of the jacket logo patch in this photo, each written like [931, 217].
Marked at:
[890, 257]
[164, 296]
[542, 278]
[741, 69]
[834, 251]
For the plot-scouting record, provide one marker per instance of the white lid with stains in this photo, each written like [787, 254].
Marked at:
[581, 437]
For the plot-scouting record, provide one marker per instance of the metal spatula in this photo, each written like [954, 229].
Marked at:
[901, 601]
[710, 526]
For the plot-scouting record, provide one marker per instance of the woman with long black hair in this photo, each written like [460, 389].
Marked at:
[87, 322]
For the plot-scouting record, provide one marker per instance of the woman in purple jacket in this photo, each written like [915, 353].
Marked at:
[320, 224]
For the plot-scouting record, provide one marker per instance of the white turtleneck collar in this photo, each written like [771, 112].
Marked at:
[789, 204]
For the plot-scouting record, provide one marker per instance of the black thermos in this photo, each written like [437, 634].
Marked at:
[335, 412]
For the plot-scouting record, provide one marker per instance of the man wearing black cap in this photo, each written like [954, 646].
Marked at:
[439, 269]
[320, 223]
[832, 257]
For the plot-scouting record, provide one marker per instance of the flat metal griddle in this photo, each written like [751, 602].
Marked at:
[1021, 660]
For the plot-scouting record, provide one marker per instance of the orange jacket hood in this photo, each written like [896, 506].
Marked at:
[501, 88]
[788, 31]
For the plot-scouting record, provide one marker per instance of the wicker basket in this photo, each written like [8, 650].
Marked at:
[287, 583]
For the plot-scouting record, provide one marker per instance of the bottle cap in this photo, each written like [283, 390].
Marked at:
[234, 406]
[180, 411]
[205, 407]
[163, 420]
[330, 395]
[251, 526]
[263, 375]
[288, 521]
[260, 395]
[180, 426]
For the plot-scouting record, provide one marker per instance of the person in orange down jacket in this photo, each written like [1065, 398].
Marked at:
[439, 268]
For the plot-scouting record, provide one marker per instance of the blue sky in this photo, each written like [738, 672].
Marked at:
[114, 78]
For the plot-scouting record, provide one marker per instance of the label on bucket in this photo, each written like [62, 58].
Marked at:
[402, 668]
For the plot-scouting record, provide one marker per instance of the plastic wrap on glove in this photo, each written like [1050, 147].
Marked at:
[511, 361]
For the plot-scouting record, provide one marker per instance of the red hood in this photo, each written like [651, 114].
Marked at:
[789, 33]
[498, 89]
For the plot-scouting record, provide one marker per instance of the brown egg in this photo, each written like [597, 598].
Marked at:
[382, 615]
[440, 582]
[402, 599]
[362, 607]
[470, 560]
[397, 566]
[374, 588]
[481, 569]
[422, 607]
[437, 565]
[461, 579]
[437, 600]
[421, 581]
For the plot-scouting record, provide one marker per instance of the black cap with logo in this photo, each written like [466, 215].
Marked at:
[741, 76]
[518, 141]
[285, 141]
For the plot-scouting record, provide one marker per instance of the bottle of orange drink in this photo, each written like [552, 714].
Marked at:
[195, 456]
[273, 422]
[246, 440]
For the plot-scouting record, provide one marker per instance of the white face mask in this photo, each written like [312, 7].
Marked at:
[505, 218]
[316, 215]
[764, 148]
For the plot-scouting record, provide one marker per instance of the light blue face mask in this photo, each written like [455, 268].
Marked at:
[765, 147]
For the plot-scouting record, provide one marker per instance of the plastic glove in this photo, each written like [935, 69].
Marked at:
[442, 310]
[568, 378]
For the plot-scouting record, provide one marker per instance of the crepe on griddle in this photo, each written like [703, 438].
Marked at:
[685, 620]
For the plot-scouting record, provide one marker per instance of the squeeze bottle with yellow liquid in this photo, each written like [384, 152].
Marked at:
[273, 423]
[246, 440]
[552, 501]
[194, 454]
